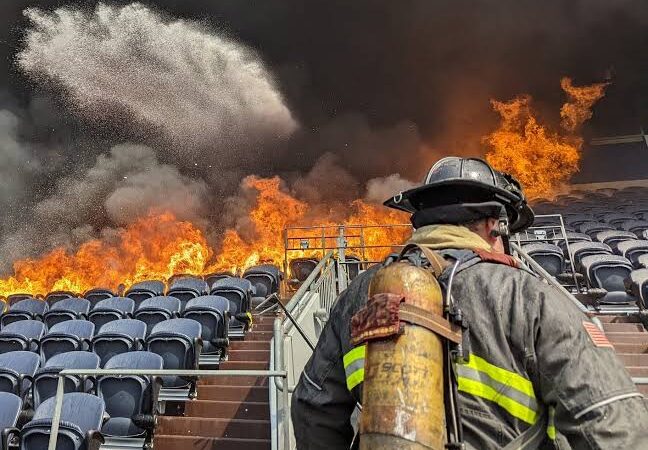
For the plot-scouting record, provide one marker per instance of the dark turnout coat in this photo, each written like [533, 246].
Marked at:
[533, 352]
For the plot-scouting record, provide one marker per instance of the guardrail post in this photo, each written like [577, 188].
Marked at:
[58, 407]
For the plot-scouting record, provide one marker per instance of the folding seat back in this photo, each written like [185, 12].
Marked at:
[21, 335]
[635, 226]
[177, 341]
[575, 219]
[572, 237]
[29, 308]
[157, 309]
[67, 336]
[46, 379]
[56, 296]
[81, 418]
[592, 228]
[549, 256]
[128, 396]
[186, 288]
[301, 268]
[608, 272]
[637, 284]
[10, 406]
[581, 250]
[237, 290]
[17, 370]
[118, 336]
[145, 289]
[110, 309]
[212, 312]
[633, 250]
[264, 278]
[96, 295]
[615, 219]
[67, 309]
[214, 277]
[15, 298]
[614, 237]
[353, 267]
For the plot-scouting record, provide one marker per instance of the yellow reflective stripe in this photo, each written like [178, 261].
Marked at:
[355, 378]
[514, 408]
[551, 427]
[354, 355]
[249, 314]
[503, 376]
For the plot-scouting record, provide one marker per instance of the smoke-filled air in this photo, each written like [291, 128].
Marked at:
[138, 142]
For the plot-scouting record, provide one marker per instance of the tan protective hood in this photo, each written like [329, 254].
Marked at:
[438, 237]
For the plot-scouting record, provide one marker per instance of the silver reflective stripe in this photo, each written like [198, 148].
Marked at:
[606, 402]
[354, 366]
[503, 389]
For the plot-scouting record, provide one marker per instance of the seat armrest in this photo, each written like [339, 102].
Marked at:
[597, 293]
[10, 438]
[156, 386]
[94, 440]
[198, 346]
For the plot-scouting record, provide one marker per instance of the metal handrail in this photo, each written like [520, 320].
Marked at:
[58, 407]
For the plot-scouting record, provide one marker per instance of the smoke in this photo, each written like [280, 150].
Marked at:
[202, 91]
[380, 189]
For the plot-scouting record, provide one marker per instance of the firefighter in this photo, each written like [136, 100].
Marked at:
[532, 352]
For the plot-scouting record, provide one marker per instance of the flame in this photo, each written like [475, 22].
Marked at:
[541, 159]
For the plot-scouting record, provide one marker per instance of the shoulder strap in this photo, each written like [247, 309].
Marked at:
[437, 263]
[532, 438]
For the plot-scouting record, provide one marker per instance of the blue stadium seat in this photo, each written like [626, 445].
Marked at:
[67, 336]
[130, 399]
[81, 419]
[186, 288]
[56, 296]
[212, 312]
[265, 279]
[239, 292]
[179, 344]
[582, 249]
[616, 219]
[145, 289]
[17, 370]
[212, 278]
[110, 309]
[10, 407]
[29, 308]
[67, 309]
[15, 298]
[613, 237]
[118, 336]
[633, 250]
[637, 284]
[97, 294]
[157, 309]
[638, 227]
[608, 272]
[549, 256]
[46, 378]
[592, 228]
[22, 335]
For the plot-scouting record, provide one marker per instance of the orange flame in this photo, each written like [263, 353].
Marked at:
[541, 159]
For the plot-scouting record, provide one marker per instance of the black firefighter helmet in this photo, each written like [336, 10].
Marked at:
[459, 190]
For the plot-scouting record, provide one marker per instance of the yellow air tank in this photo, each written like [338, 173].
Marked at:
[403, 390]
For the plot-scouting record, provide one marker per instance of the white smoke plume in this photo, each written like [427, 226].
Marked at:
[201, 90]
[382, 188]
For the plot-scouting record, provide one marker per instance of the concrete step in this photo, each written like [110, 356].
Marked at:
[213, 427]
[637, 371]
[631, 348]
[258, 336]
[166, 442]
[227, 409]
[233, 381]
[249, 345]
[622, 327]
[244, 365]
[643, 388]
[265, 326]
[627, 337]
[634, 359]
[233, 393]
[617, 319]
[249, 355]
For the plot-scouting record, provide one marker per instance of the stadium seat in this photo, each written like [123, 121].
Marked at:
[301, 268]
[608, 272]
[22, 335]
[575, 219]
[17, 370]
[145, 289]
[616, 219]
[157, 309]
[265, 279]
[27, 309]
[179, 344]
[56, 296]
[81, 418]
[10, 407]
[15, 298]
[592, 228]
[572, 237]
[130, 399]
[214, 277]
[67, 309]
[46, 378]
[613, 237]
[3, 305]
[212, 312]
[238, 291]
[118, 336]
[97, 294]
[633, 250]
[110, 309]
[582, 249]
[637, 284]
[186, 288]
[67, 336]
[638, 227]
[549, 256]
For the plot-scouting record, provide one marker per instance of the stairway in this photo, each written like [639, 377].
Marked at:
[630, 340]
[229, 412]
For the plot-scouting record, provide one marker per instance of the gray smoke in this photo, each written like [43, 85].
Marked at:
[382, 188]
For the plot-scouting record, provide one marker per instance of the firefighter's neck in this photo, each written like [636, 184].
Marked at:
[488, 229]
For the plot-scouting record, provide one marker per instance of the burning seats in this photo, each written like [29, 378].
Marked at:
[110, 309]
[130, 400]
[186, 288]
[97, 294]
[214, 277]
[10, 407]
[15, 298]
[179, 344]
[157, 309]
[22, 335]
[117, 337]
[17, 370]
[239, 292]
[26, 309]
[549, 256]
[67, 336]
[632, 250]
[300, 269]
[67, 309]
[46, 378]
[213, 314]
[145, 289]
[81, 418]
[265, 279]
[56, 296]
[608, 273]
